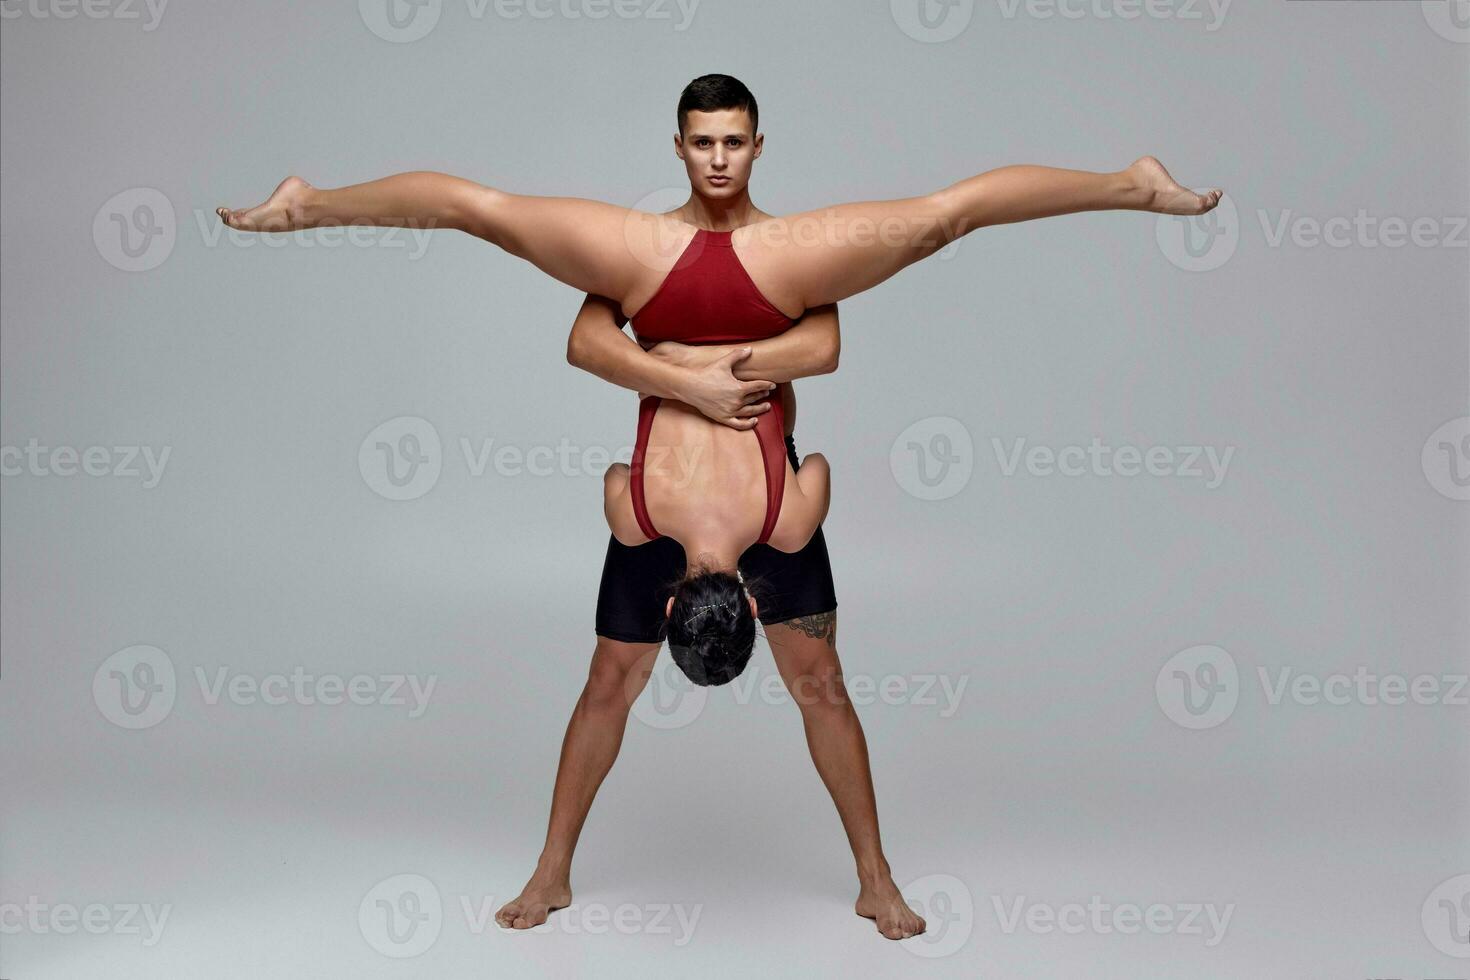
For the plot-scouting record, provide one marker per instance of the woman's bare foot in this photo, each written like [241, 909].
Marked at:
[536, 901]
[1164, 195]
[284, 210]
[880, 901]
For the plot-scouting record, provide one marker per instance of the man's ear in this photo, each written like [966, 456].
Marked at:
[669, 608]
[679, 146]
[760, 141]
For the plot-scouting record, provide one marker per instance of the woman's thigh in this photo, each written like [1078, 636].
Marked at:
[812, 258]
[593, 246]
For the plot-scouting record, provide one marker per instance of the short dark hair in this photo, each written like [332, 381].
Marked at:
[710, 629]
[709, 93]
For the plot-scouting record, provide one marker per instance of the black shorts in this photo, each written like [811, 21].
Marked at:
[638, 580]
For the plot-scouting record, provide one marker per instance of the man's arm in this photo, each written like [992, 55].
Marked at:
[812, 346]
[716, 379]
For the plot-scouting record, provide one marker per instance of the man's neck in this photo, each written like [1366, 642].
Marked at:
[713, 215]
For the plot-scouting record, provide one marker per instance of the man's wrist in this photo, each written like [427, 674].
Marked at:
[678, 380]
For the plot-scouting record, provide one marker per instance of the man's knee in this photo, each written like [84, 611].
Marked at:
[818, 687]
[618, 673]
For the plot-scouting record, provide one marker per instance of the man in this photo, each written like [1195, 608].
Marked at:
[728, 383]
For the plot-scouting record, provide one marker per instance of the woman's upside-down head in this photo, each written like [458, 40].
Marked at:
[711, 625]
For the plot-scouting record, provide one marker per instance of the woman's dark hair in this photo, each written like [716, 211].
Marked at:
[710, 93]
[710, 630]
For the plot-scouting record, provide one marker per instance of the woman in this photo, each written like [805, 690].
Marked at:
[714, 489]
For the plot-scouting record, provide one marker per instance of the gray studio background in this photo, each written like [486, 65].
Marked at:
[1063, 775]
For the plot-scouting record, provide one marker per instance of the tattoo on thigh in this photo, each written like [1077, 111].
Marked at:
[820, 626]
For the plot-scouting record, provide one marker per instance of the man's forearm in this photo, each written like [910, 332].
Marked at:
[783, 358]
[809, 348]
[616, 358]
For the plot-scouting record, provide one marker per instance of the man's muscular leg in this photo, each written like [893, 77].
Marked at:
[618, 674]
[805, 651]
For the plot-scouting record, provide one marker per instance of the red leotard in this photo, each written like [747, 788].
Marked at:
[708, 298]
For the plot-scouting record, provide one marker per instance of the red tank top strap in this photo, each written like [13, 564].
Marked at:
[647, 408]
[770, 430]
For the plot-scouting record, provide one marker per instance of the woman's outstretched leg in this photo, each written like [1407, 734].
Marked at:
[819, 257]
[590, 245]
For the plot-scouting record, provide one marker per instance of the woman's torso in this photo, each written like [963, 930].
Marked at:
[696, 473]
[694, 469]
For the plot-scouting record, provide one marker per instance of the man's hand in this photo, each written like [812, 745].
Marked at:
[710, 385]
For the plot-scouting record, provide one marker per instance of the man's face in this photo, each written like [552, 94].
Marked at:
[718, 150]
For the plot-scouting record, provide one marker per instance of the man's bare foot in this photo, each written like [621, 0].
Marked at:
[535, 902]
[1164, 195]
[284, 210]
[880, 901]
